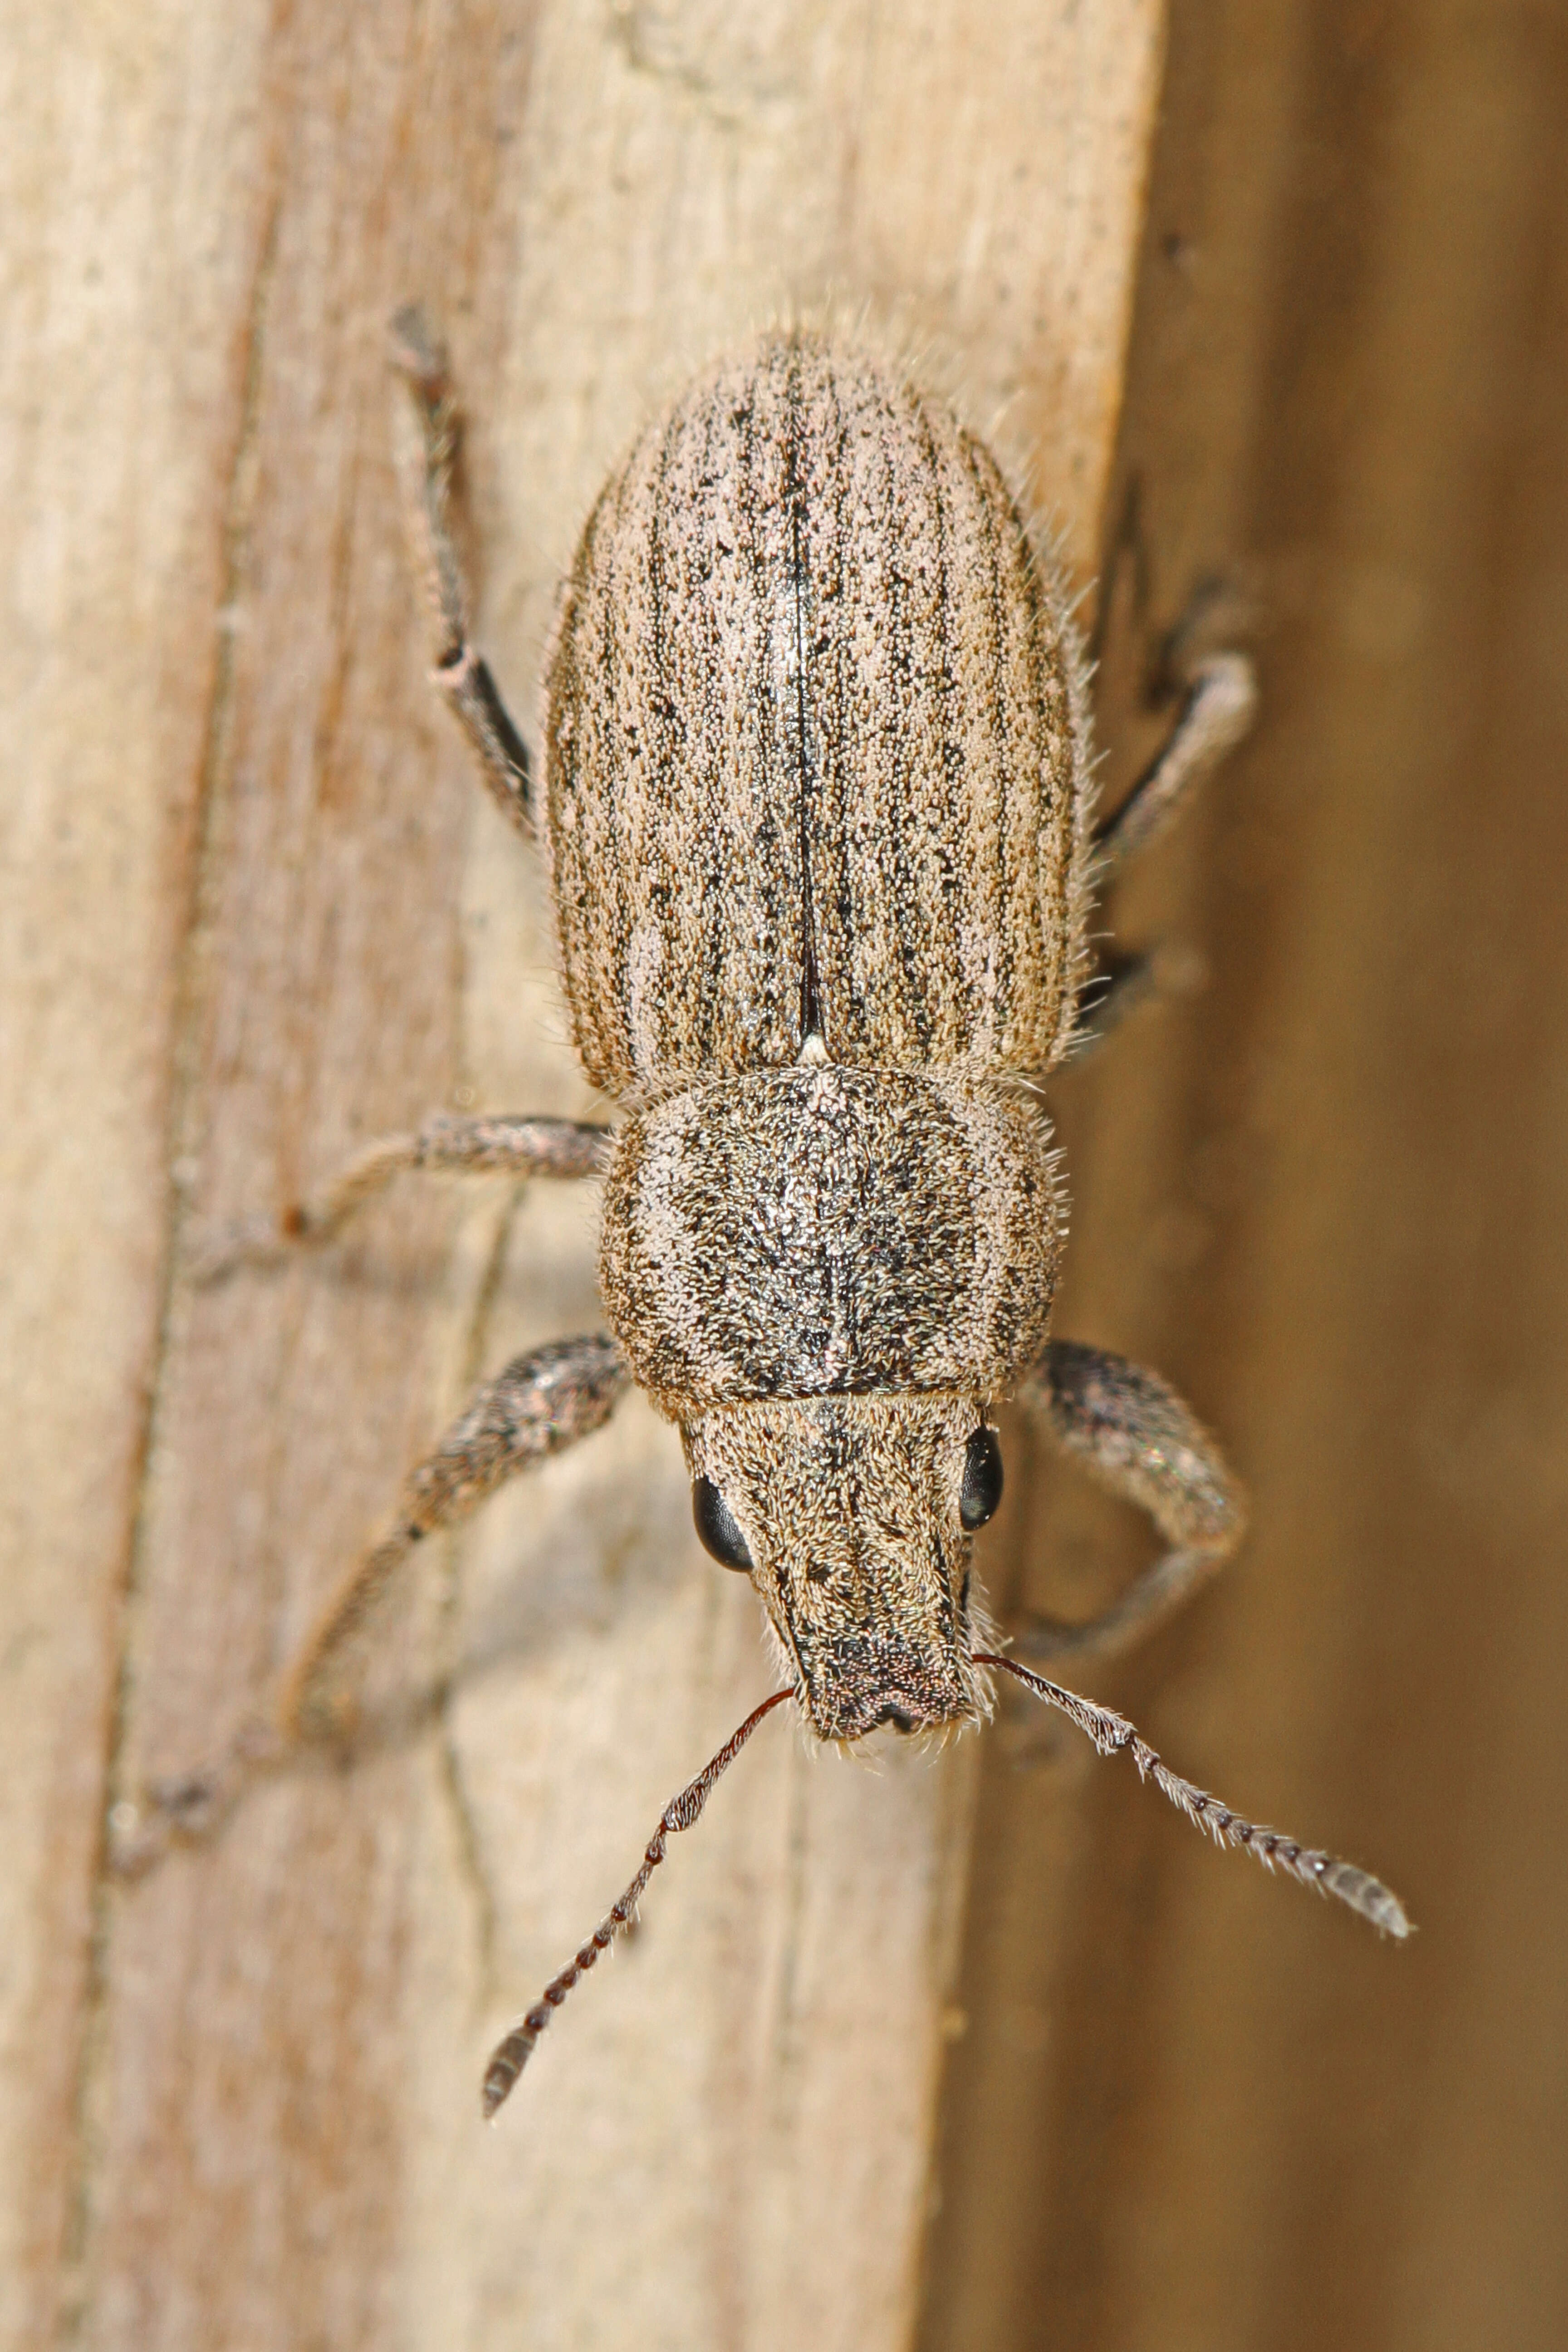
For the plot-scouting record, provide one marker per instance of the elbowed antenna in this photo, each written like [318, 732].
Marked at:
[512, 2055]
[1109, 1732]
[1112, 1733]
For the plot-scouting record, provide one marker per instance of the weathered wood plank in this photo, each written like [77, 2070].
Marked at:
[257, 911]
[1329, 1197]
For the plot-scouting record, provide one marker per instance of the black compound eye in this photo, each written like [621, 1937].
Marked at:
[716, 1524]
[981, 1490]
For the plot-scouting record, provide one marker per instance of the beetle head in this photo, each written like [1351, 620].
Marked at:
[852, 1515]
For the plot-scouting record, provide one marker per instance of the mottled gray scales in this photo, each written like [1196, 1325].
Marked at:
[809, 681]
[880, 1232]
[849, 1506]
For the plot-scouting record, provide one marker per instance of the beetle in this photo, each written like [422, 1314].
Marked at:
[817, 812]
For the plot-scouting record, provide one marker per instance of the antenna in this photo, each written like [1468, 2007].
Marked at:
[512, 2055]
[1110, 1733]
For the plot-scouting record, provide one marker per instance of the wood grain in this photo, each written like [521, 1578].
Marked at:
[1327, 1196]
[255, 912]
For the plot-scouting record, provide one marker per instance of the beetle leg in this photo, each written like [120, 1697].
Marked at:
[542, 1403]
[1120, 985]
[1141, 1441]
[503, 1146]
[1115, 987]
[428, 450]
[1222, 697]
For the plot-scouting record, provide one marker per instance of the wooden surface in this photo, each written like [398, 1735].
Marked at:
[1328, 1196]
[255, 911]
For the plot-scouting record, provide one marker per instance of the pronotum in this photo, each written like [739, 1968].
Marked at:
[816, 807]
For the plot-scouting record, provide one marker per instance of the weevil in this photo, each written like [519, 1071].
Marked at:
[816, 807]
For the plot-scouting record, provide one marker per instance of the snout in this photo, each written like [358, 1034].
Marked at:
[856, 1688]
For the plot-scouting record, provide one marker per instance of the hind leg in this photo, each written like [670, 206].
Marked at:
[428, 451]
[1221, 699]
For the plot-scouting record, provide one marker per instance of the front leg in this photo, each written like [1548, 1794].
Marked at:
[1139, 1440]
[542, 1403]
[470, 1147]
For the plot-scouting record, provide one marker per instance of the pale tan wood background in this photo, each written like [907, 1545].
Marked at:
[254, 911]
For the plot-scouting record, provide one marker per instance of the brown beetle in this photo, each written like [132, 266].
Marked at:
[817, 811]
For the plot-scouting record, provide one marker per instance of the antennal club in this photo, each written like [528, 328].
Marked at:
[512, 2055]
[1110, 1733]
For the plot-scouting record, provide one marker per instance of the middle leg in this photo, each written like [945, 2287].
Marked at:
[472, 1147]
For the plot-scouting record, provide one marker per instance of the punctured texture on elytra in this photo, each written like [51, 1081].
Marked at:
[816, 742]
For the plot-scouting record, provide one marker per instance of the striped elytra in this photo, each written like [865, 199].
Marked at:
[816, 742]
